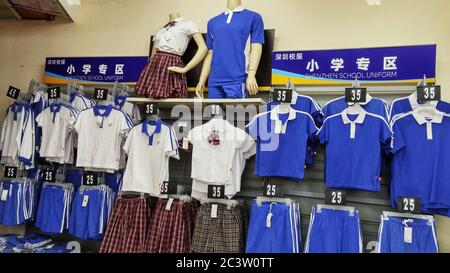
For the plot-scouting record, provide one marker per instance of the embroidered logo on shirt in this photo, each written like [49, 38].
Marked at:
[214, 138]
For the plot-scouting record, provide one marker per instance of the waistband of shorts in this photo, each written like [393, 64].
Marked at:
[168, 53]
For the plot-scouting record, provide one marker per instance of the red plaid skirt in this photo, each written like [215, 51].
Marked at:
[127, 227]
[171, 230]
[158, 82]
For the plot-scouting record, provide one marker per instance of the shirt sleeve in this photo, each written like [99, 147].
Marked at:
[386, 133]
[322, 134]
[171, 148]
[77, 125]
[257, 31]
[191, 28]
[40, 119]
[252, 128]
[209, 37]
[312, 128]
[127, 145]
[397, 140]
[26, 151]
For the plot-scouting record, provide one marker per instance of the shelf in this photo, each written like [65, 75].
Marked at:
[197, 101]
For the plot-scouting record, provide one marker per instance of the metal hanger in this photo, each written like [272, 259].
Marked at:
[351, 210]
[388, 214]
[260, 200]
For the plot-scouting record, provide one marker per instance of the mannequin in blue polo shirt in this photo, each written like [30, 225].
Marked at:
[234, 40]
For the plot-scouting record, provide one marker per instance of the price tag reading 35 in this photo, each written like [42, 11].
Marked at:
[282, 95]
[356, 95]
[216, 192]
[100, 94]
[429, 93]
[54, 93]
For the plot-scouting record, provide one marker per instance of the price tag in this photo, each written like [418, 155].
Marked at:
[216, 110]
[149, 109]
[335, 197]
[100, 94]
[214, 208]
[10, 172]
[169, 204]
[273, 189]
[4, 195]
[355, 95]
[409, 204]
[185, 143]
[269, 220]
[54, 93]
[85, 201]
[407, 235]
[168, 188]
[90, 179]
[216, 192]
[13, 92]
[49, 176]
[429, 93]
[282, 95]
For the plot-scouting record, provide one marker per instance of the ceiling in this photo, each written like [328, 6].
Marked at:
[31, 9]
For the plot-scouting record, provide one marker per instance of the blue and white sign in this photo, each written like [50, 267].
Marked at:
[94, 70]
[387, 65]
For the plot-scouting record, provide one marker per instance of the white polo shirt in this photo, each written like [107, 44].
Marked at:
[80, 102]
[214, 147]
[149, 147]
[175, 39]
[100, 132]
[130, 109]
[55, 121]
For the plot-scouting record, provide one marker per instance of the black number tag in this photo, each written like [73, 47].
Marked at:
[409, 204]
[54, 93]
[429, 93]
[216, 110]
[168, 188]
[13, 92]
[355, 94]
[335, 197]
[10, 172]
[90, 179]
[49, 176]
[216, 192]
[282, 95]
[100, 94]
[273, 189]
[149, 109]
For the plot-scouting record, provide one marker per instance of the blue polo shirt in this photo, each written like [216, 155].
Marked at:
[420, 161]
[353, 150]
[281, 142]
[373, 105]
[407, 104]
[230, 42]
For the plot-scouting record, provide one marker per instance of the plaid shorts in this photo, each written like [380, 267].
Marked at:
[171, 230]
[128, 226]
[158, 82]
[224, 234]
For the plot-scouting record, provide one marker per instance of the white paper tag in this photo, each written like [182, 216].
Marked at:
[85, 201]
[269, 220]
[214, 211]
[169, 204]
[182, 124]
[185, 143]
[408, 235]
[4, 195]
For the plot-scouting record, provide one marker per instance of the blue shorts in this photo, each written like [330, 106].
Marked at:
[54, 208]
[232, 91]
[334, 231]
[283, 235]
[391, 237]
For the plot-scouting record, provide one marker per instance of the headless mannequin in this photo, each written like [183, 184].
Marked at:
[255, 57]
[199, 55]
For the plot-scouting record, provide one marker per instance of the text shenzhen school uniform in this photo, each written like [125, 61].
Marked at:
[274, 228]
[353, 149]
[281, 137]
[229, 36]
[399, 235]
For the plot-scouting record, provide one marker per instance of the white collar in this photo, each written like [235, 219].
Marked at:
[368, 99]
[237, 9]
[179, 19]
[280, 128]
[360, 119]
[413, 101]
[421, 116]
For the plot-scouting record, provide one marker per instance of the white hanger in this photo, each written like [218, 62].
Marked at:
[388, 214]
[351, 210]
[182, 198]
[229, 203]
[260, 200]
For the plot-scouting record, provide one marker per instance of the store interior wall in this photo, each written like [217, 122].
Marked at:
[124, 30]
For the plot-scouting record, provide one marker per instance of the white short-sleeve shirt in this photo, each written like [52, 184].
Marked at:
[100, 132]
[56, 122]
[149, 147]
[175, 39]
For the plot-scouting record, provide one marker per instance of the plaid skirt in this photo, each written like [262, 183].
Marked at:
[127, 227]
[171, 230]
[224, 234]
[158, 82]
